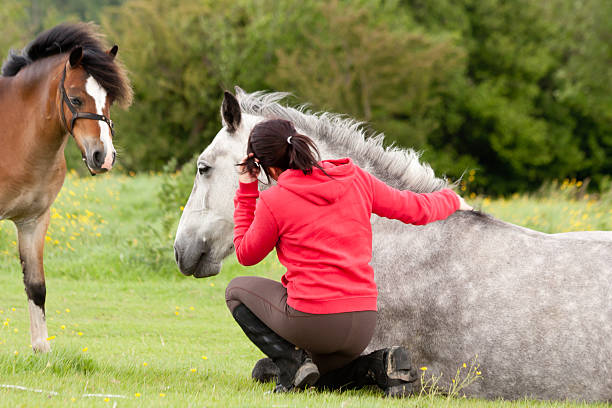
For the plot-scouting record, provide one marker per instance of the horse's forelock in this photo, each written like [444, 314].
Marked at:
[63, 38]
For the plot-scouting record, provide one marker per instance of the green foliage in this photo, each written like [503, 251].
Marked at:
[174, 191]
[518, 91]
[369, 60]
[512, 112]
[182, 56]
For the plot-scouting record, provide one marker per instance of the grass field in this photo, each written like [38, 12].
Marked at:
[128, 330]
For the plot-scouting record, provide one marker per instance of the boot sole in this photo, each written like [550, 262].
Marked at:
[398, 364]
[306, 375]
[399, 372]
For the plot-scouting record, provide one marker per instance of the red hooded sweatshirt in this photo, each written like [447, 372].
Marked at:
[321, 229]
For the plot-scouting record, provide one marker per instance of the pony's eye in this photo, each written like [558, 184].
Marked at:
[203, 169]
[76, 102]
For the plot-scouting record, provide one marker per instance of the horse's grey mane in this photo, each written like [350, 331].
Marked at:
[396, 166]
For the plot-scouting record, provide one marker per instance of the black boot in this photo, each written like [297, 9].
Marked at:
[265, 371]
[296, 369]
[390, 369]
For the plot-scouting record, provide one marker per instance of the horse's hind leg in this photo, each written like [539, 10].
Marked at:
[31, 242]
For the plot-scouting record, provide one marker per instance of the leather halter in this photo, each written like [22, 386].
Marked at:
[79, 115]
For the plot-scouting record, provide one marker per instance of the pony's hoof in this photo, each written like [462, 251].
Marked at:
[41, 346]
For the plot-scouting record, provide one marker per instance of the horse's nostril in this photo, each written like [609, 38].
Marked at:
[176, 255]
[114, 157]
[98, 158]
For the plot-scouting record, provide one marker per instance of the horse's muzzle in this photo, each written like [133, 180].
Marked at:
[197, 266]
[99, 161]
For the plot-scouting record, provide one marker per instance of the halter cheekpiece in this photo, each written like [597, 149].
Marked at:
[79, 115]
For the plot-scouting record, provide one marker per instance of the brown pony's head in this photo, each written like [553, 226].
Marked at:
[91, 81]
[85, 112]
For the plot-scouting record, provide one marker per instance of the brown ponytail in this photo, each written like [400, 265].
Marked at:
[276, 143]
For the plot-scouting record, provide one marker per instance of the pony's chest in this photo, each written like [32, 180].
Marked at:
[21, 200]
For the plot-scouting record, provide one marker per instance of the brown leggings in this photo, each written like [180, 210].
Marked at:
[333, 340]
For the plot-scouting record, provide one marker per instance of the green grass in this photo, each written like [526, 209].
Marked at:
[125, 322]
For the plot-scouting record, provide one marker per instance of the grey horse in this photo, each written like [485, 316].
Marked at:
[535, 309]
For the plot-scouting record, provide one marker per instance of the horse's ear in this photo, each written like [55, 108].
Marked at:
[76, 55]
[230, 111]
[113, 51]
[239, 90]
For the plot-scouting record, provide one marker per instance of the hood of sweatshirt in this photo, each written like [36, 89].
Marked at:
[318, 187]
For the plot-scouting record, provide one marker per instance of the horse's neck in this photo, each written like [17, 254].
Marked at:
[399, 169]
[30, 116]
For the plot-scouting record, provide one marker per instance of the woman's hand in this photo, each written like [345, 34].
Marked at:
[243, 175]
[463, 206]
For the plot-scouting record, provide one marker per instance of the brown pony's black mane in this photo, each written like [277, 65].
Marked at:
[96, 61]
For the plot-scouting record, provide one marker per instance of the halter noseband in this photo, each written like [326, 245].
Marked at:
[79, 115]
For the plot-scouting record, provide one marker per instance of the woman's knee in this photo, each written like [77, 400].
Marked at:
[230, 294]
[234, 291]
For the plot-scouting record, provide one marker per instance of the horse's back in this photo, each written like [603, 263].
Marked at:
[601, 236]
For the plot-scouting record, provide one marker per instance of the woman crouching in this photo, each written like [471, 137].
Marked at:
[317, 321]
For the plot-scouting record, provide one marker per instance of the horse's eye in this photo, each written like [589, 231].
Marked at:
[203, 169]
[76, 102]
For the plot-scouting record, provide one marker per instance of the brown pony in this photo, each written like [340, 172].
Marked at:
[63, 82]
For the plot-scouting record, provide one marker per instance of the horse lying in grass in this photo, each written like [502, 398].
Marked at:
[535, 308]
[63, 75]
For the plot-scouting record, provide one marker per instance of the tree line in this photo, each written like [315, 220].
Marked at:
[518, 91]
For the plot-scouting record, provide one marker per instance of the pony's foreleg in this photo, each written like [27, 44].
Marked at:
[31, 242]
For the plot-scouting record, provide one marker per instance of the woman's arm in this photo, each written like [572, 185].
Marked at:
[255, 229]
[413, 208]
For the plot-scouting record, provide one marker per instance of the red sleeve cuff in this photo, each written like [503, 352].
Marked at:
[248, 188]
[453, 197]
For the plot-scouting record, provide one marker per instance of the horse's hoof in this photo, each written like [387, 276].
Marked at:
[265, 371]
[41, 346]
